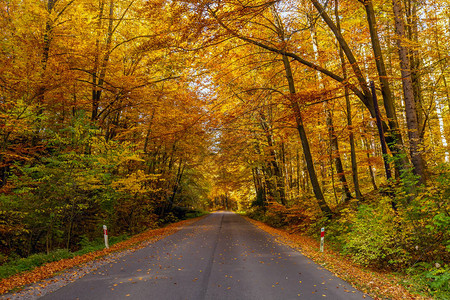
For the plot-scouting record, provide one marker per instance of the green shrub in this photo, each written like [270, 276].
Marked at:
[257, 213]
[374, 238]
[19, 265]
[195, 214]
[430, 279]
[28, 263]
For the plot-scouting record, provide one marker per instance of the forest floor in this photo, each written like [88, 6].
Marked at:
[378, 284]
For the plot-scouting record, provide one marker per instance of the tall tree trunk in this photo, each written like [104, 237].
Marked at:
[176, 185]
[42, 88]
[387, 167]
[388, 101]
[99, 73]
[349, 113]
[415, 143]
[299, 121]
[334, 144]
[304, 140]
[280, 190]
[415, 62]
[366, 145]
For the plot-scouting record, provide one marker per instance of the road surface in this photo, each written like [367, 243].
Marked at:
[222, 256]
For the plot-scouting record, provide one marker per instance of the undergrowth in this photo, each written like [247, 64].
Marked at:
[19, 265]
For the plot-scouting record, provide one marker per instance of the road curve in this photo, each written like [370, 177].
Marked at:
[219, 257]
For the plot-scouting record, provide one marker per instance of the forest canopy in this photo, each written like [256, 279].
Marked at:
[133, 113]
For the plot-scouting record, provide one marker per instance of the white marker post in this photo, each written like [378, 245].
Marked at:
[322, 238]
[105, 234]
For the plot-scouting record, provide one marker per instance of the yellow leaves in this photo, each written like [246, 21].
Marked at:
[131, 157]
[135, 183]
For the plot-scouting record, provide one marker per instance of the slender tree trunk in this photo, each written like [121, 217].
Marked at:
[149, 131]
[304, 140]
[370, 167]
[176, 185]
[388, 101]
[42, 88]
[349, 112]
[352, 142]
[300, 179]
[415, 144]
[415, 63]
[95, 88]
[280, 190]
[265, 178]
[334, 144]
[387, 167]
[4, 164]
[99, 78]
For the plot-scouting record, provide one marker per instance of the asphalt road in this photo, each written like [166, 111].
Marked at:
[220, 257]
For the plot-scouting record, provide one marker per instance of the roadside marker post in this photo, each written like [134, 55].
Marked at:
[105, 234]
[322, 238]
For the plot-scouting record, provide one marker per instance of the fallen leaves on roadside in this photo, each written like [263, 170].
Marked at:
[378, 284]
[49, 269]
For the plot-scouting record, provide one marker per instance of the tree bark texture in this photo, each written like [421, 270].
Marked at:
[412, 124]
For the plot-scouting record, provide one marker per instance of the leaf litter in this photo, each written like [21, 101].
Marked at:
[377, 284]
[86, 263]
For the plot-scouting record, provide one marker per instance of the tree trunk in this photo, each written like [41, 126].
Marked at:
[349, 113]
[394, 140]
[280, 191]
[304, 140]
[42, 88]
[334, 144]
[98, 79]
[415, 62]
[387, 167]
[388, 101]
[370, 168]
[415, 144]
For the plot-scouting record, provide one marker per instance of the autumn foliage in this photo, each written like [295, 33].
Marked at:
[304, 113]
